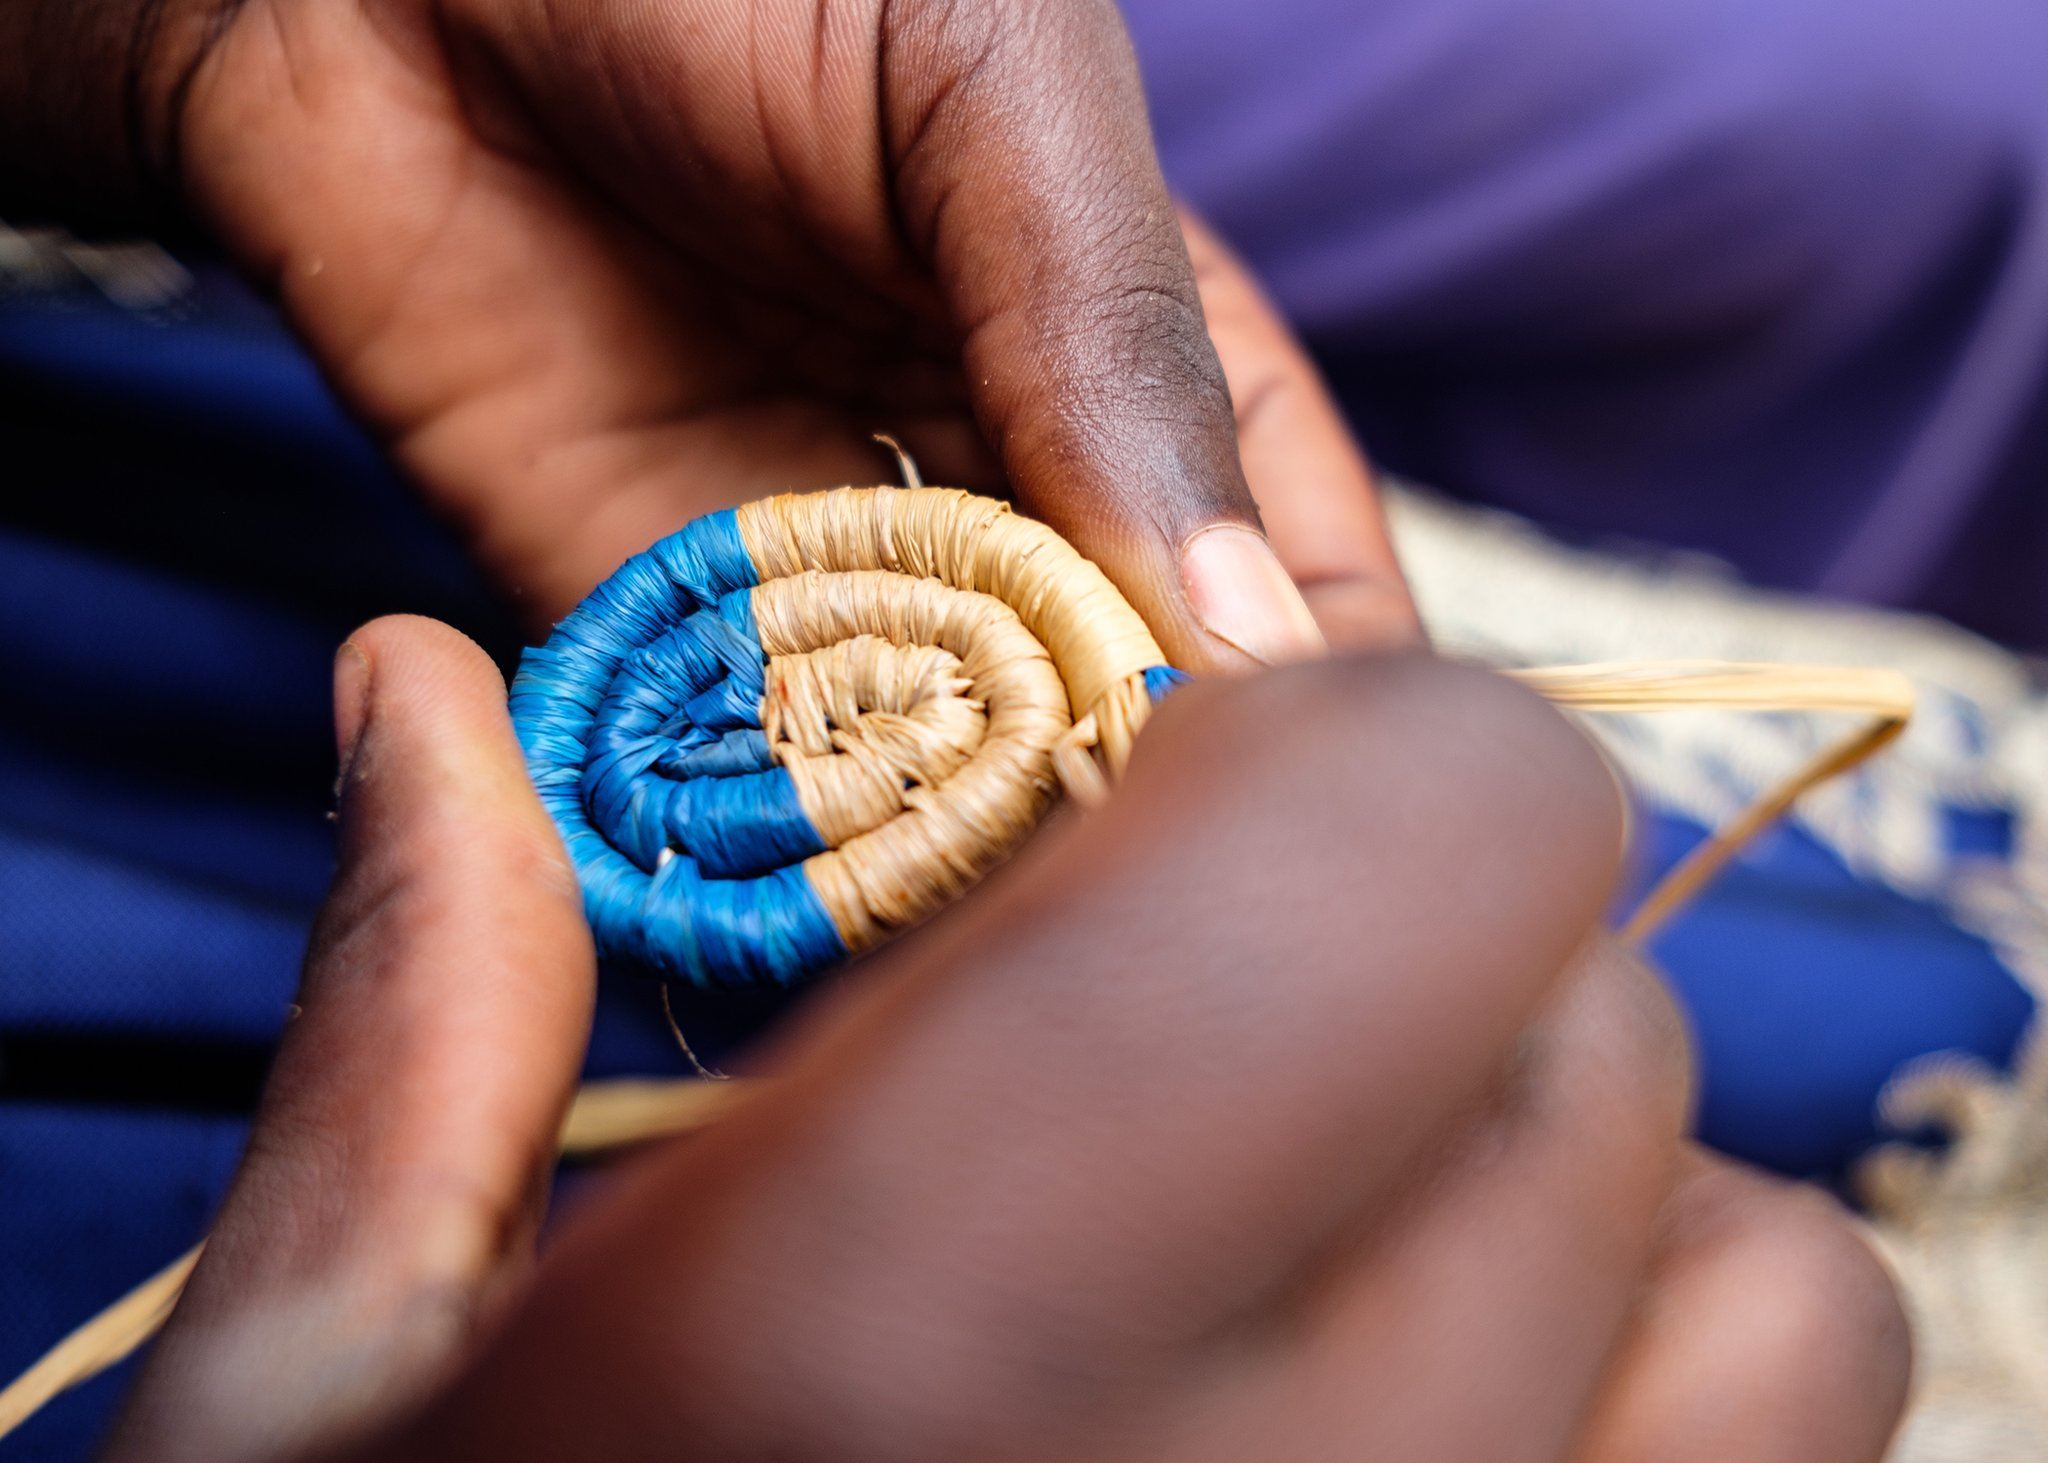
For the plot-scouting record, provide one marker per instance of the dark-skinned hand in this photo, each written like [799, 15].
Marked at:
[1286, 1108]
[591, 269]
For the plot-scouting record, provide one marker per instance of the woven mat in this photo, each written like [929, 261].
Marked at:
[1967, 1231]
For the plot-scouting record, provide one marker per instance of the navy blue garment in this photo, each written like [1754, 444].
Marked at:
[1808, 988]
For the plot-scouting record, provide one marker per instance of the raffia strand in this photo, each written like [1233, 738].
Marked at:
[1882, 695]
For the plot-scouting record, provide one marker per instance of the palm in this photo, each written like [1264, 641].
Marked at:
[563, 382]
[591, 270]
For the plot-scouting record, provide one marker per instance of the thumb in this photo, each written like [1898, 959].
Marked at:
[1025, 174]
[394, 1172]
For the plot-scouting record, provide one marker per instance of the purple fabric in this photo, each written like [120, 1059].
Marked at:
[1767, 278]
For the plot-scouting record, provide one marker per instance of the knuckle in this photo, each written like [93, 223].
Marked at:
[950, 29]
[1468, 745]
[1155, 322]
[1834, 1312]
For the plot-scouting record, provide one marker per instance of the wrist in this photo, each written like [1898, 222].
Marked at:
[91, 93]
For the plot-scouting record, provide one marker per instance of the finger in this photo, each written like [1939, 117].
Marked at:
[1102, 1115]
[1513, 1272]
[1770, 1332]
[1025, 176]
[411, 1114]
[1313, 486]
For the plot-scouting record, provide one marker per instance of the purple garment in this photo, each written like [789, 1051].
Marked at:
[1764, 279]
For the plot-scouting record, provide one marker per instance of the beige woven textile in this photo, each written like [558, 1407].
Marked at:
[938, 668]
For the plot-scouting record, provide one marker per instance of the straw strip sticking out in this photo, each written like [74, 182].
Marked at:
[1884, 696]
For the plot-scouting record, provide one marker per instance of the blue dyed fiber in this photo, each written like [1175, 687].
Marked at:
[1162, 679]
[640, 719]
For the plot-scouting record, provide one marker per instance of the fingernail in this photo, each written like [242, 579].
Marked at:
[1244, 598]
[351, 702]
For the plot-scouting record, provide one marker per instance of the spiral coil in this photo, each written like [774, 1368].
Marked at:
[794, 728]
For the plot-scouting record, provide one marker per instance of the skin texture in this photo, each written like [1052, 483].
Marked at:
[1079, 1170]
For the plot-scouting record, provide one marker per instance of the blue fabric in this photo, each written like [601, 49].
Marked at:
[188, 527]
[1807, 989]
[98, 1198]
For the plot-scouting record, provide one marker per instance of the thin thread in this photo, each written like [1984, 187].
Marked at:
[675, 1028]
[905, 463]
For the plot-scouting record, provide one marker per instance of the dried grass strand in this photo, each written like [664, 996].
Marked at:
[105, 1341]
[1618, 687]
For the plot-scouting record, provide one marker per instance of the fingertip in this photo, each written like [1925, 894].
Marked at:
[1316, 492]
[430, 763]
[1366, 612]
[418, 676]
[1241, 594]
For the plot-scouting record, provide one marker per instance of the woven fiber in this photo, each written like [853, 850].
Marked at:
[792, 729]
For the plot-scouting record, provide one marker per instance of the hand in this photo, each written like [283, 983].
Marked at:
[1282, 1109]
[593, 269]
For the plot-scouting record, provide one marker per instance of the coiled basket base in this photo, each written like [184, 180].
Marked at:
[794, 728]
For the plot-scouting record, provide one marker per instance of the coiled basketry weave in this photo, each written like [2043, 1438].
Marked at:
[794, 728]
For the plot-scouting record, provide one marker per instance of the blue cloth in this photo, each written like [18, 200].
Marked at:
[166, 768]
[1807, 988]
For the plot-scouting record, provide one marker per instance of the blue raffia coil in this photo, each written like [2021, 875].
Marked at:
[791, 729]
